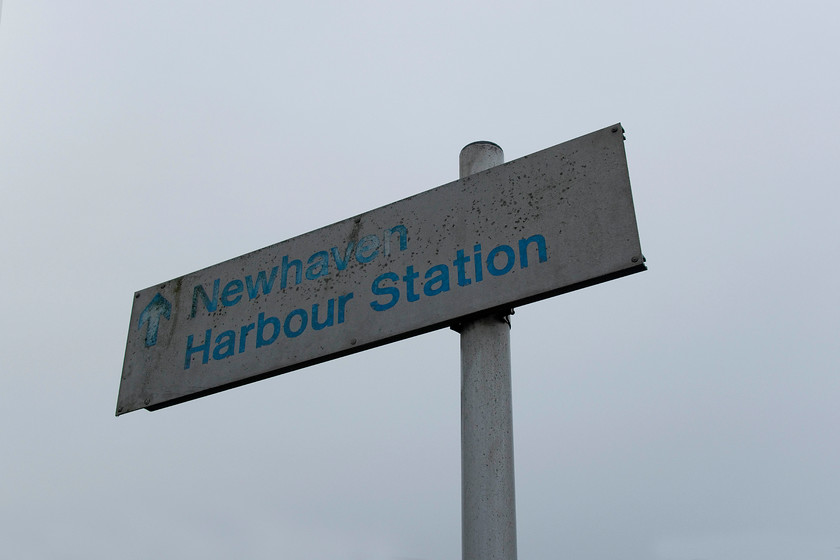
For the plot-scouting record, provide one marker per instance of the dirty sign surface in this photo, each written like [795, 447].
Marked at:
[547, 223]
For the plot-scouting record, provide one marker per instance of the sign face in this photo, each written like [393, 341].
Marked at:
[544, 224]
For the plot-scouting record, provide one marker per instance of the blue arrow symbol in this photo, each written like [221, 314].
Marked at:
[157, 307]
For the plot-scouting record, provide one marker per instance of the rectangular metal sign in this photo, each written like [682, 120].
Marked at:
[544, 224]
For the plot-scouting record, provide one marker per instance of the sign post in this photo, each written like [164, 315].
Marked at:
[488, 502]
[462, 255]
[541, 225]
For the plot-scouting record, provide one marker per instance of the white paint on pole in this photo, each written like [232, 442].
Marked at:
[479, 156]
[488, 499]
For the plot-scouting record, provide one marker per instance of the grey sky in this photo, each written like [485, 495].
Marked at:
[686, 413]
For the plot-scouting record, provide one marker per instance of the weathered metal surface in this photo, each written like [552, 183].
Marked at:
[550, 222]
[488, 496]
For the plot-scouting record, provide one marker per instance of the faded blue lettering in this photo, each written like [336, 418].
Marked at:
[262, 281]
[437, 275]
[459, 263]
[209, 304]
[287, 324]
[479, 273]
[204, 349]
[410, 276]
[232, 292]
[319, 265]
[342, 303]
[262, 322]
[403, 239]
[367, 248]
[224, 345]
[285, 265]
[243, 334]
[317, 325]
[340, 263]
[523, 249]
[491, 260]
[379, 290]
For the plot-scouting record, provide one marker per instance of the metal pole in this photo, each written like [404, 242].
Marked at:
[488, 505]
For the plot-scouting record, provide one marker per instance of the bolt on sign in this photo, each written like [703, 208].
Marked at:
[541, 225]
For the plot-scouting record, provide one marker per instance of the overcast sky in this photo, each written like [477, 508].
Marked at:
[687, 413]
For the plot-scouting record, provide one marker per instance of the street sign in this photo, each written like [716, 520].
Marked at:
[548, 223]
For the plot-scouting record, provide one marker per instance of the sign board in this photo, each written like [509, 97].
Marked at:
[544, 224]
